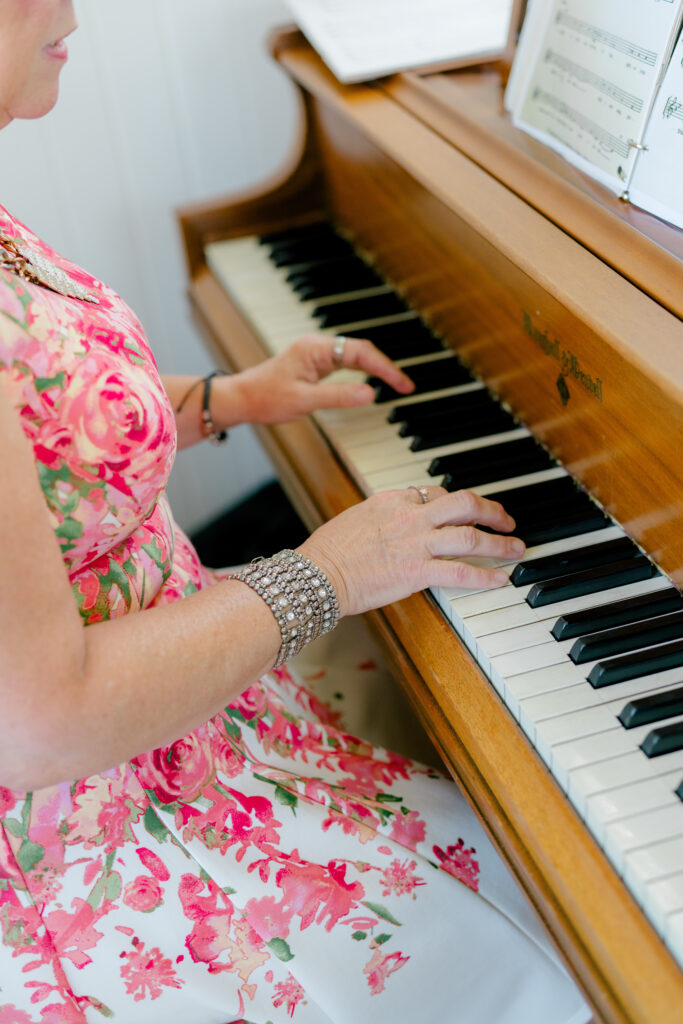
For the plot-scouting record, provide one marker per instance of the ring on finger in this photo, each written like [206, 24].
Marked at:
[338, 347]
[422, 491]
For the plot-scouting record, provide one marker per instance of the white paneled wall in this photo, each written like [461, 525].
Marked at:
[162, 102]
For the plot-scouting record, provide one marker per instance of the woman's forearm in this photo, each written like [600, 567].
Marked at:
[139, 682]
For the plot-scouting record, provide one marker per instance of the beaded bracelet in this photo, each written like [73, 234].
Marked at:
[298, 594]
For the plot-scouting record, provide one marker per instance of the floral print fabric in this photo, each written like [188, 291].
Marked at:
[269, 866]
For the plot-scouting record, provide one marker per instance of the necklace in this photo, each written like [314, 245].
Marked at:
[32, 266]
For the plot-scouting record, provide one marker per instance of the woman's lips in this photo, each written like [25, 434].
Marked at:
[58, 50]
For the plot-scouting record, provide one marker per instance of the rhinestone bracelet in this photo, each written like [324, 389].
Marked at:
[299, 595]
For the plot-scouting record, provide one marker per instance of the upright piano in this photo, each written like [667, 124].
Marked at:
[542, 320]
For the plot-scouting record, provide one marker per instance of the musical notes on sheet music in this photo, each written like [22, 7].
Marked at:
[673, 108]
[600, 35]
[594, 67]
[603, 85]
[608, 142]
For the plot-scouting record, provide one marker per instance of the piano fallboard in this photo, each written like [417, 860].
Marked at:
[449, 238]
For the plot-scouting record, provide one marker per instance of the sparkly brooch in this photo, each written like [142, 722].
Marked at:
[32, 266]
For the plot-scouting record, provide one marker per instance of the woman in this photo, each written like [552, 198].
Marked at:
[164, 857]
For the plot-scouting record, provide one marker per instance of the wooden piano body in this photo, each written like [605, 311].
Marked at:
[532, 275]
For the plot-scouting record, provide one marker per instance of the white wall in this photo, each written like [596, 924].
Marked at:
[162, 102]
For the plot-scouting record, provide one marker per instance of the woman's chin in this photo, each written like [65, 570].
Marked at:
[37, 105]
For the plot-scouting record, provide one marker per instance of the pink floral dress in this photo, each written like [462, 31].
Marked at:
[267, 867]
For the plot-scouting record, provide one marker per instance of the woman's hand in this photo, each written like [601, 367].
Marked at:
[394, 544]
[289, 385]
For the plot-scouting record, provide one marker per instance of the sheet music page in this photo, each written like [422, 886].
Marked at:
[657, 182]
[533, 27]
[595, 75]
[364, 39]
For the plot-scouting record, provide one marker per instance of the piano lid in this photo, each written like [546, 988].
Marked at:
[466, 108]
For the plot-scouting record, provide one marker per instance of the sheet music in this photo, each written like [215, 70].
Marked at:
[657, 183]
[528, 43]
[364, 39]
[595, 75]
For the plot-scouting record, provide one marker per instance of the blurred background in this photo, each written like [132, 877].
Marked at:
[162, 102]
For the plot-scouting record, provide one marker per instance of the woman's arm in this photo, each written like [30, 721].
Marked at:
[76, 700]
[282, 388]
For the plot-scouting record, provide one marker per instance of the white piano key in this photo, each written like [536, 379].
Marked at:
[549, 702]
[381, 433]
[673, 935]
[626, 801]
[656, 860]
[541, 656]
[485, 601]
[664, 898]
[575, 725]
[507, 624]
[591, 749]
[467, 613]
[626, 769]
[642, 829]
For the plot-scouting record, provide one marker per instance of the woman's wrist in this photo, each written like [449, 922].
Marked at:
[322, 557]
[300, 596]
[229, 405]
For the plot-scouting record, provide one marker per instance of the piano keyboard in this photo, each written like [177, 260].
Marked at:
[585, 644]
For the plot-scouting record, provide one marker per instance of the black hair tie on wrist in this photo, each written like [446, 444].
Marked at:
[208, 427]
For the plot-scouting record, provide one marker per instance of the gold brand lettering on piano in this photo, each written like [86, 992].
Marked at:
[571, 368]
[550, 347]
[565, 357]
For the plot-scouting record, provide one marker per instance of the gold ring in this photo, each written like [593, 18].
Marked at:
[422, 491]
[338, 351]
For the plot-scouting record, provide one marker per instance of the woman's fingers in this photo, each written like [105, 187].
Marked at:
[338, 353]
[459, 507]
[462, 576]
[454, 533]
[336, 396]
[362, 355]
[468, 541]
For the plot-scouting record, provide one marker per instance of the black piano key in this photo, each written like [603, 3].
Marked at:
[333, 314]
[679, 791]
[312, 272]
[641, 663]
[313, 250]
[429, 376]
[318, 227]
[342, 286]
[533, 496]
[402, 340]
[491, 462]
[536, 569]
[666, 739]
[495, 423]
[619, 613]
[575, 506]
[572, 525]
[553, 520]
[458, 405]
[338, 279]
[459, 417]
[620, 639]
[591, 581]
[655, 708]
